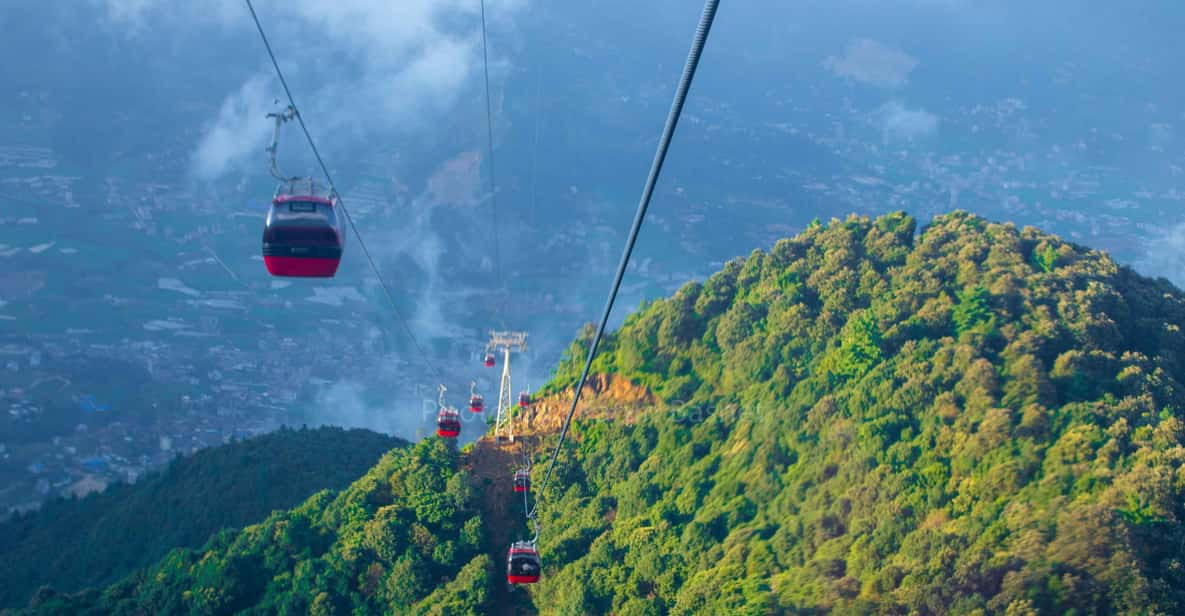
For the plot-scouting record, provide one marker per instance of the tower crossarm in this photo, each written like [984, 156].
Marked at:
[514, 341]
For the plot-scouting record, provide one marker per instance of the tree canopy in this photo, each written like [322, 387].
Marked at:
[975, 418]
[969, 419]
[76, 543]
[403, 539]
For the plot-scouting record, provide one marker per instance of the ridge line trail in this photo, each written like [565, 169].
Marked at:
[491, 467]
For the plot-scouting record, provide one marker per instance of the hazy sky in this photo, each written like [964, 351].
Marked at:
[365, 64]
[401, 80]
[176, 93]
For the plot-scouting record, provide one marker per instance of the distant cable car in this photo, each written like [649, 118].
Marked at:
[448, 423]
[303, 234]
[523, 565]
[522, 480]
[489, 360]
[524, 399]
[476, 403]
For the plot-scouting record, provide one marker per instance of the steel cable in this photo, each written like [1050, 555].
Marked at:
[341, 202]
[693, 57]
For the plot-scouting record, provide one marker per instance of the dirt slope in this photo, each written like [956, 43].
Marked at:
[491, 466]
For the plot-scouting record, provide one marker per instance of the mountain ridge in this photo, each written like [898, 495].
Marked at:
[970, 418]
[974, 418]
[75, 543]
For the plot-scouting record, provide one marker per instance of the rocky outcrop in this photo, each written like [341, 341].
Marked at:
[603, 397]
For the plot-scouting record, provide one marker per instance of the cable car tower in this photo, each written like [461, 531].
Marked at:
[505, 342]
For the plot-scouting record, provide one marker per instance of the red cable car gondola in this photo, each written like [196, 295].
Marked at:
[524, 399]
[522, 480]
[489, 360]
[523, 564]
[302, 236]
[476, 403]
[448, 423]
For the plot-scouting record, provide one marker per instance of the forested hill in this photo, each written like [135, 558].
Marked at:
[402, 539]
[71, 544]
[980, 417]
[973, 419]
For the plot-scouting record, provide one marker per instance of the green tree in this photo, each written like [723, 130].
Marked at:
[860, 346]
[972, 309]
[1046, 257]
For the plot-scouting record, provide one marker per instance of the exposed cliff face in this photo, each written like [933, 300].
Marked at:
[491, 464]
[603, 397]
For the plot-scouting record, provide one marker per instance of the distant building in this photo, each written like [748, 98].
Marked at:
[86, 485]
[89, 404]
[95, 464]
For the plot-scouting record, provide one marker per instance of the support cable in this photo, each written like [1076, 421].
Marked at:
[341, 203]
[485, 65]
[693, 57]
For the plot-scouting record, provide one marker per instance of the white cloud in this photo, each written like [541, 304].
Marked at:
[356, 66]
[430, 80]
[135, 15]
[417, 240]
[127, 10]
[1164, 256]
[240, 129]
[458, 181]
[345, 404]
[870, 62]
[1160, 135]
[898, 123]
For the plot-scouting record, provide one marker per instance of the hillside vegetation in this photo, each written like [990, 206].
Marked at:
[978, 419]
[403, 539]
[72, 544]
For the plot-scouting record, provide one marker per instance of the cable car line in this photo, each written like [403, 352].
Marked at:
[535, 165]
[485, 65]
[522, 477]
[333, 187]
[535, 146]
[693, 57]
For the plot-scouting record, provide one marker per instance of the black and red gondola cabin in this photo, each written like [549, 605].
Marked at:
[448, 423]
[489, 360]
[524, 399]
[522, 480]
[303, 235]
[476, 403]
[523, 564]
